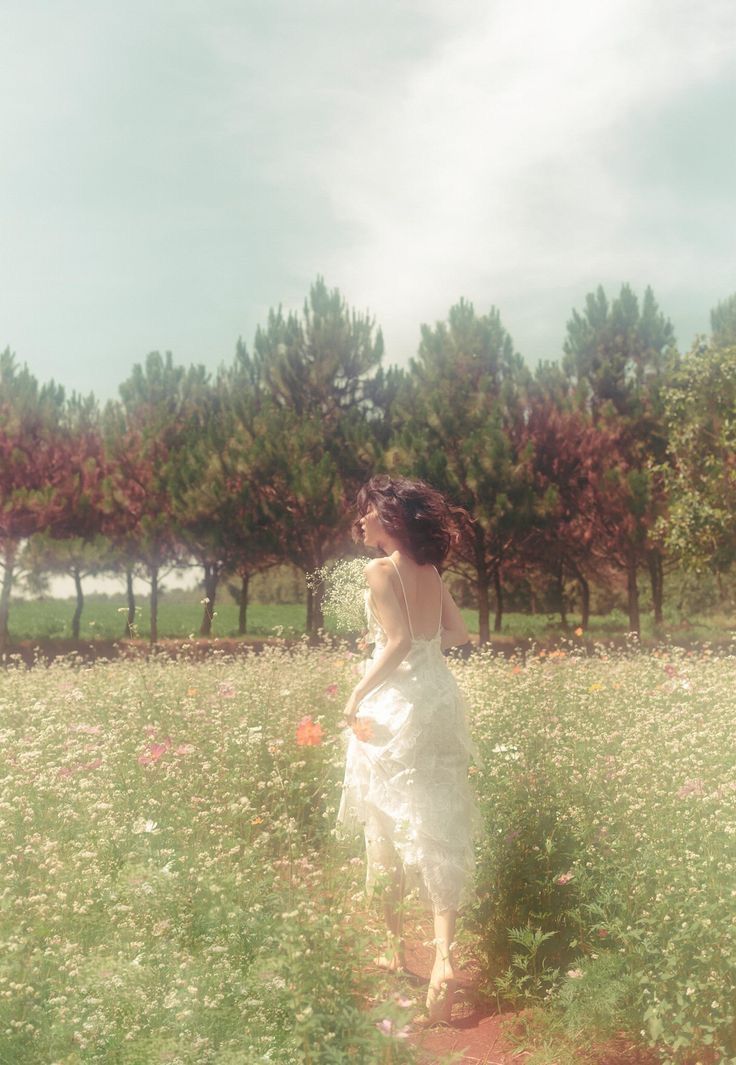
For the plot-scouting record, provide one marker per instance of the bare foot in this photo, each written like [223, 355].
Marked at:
[394, 960]
[393, 964]
[441, 970]
[440, 994]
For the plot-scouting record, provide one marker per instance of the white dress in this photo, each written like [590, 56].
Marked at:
[406, 778]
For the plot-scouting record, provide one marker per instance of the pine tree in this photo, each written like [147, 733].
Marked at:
[462, 432]
[620, 356]
[317, 378]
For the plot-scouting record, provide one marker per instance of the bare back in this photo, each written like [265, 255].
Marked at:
[419, 589]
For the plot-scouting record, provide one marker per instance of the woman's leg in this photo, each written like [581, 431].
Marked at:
[393, 900]
[444, 937]
[386, 870]
[442, 983]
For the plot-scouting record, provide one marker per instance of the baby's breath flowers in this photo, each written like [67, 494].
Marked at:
[344, 587]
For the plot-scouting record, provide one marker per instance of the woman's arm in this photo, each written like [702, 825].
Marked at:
[398, 637]
[454, 630]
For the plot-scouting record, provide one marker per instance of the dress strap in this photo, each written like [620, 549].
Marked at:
[406, 601]
[439, 623]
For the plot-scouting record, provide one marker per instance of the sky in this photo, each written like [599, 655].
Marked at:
[171, 170]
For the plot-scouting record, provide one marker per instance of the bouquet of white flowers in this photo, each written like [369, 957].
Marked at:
[344, 586]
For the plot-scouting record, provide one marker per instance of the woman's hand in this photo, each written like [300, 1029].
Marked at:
[351, 709]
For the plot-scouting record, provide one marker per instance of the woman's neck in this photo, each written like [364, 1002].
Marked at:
[391, 547]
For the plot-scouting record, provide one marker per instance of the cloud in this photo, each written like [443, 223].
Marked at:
[174, 170]
[493, 173]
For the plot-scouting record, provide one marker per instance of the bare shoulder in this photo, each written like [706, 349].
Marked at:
[376, 572]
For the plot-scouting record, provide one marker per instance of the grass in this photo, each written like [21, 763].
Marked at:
[179, 618]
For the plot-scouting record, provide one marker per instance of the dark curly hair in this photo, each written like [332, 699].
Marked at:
[416, 514]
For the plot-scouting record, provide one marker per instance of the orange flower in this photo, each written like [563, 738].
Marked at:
[363, 729]
[579, 630]
[309, 733]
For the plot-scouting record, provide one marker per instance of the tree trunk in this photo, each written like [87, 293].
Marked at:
[481, 584]
[80, 604]
[633, 596]
[310, 611]
[484, 629]
[318, 617]
[723, 594]
[315, 616]
[584, 594]
[211, 577]
[560, 592]
[497, 588]
[242, 612]
[584, 601]
[130, 621]
[656, 576]
[9, 566]
[153, 572]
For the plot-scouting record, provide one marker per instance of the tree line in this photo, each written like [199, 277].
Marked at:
[612, 464]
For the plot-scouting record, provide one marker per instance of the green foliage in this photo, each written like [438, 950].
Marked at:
[611, 817]
[278, 584]
[601, 996]
[723, 323]
[529, 976]
[319, 363]
[459, 427]
[619, 353]
[533, 899]
[701, 478]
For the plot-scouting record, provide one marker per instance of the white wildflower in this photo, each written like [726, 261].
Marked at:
[344, 587]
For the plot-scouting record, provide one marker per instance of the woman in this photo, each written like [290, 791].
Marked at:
[406, 780]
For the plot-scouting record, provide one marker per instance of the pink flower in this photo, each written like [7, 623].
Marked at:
[691, 787]
[564, 878]
[387, 1027]
[331, 690]
[68, 770]
[226, 690]
[155, 751]
[403, 1001]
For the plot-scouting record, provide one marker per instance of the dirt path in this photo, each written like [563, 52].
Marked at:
[477, 1029]
[476, 1025]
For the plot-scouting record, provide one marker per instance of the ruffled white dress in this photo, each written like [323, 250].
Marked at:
[406, 778]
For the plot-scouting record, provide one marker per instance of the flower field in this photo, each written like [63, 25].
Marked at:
[173, 890]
